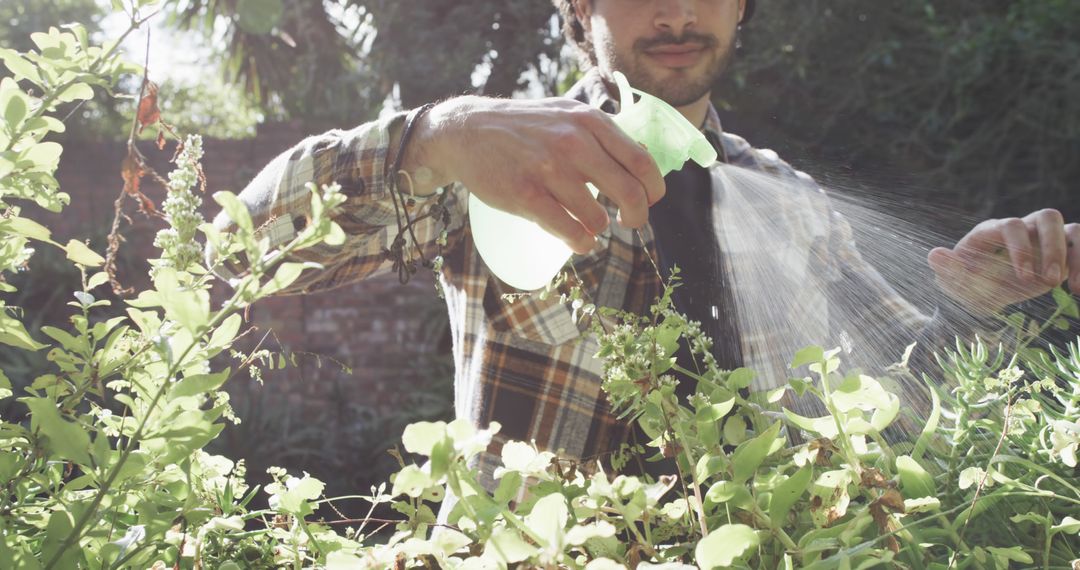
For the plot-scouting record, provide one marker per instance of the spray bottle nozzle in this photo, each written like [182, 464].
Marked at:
[670, 139]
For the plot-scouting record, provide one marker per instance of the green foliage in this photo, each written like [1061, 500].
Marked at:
[973, 99]
[110, 469]
[339, 61]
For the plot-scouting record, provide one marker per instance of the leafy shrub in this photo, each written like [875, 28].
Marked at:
[111, 470]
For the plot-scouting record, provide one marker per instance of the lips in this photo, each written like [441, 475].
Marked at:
[676, 55]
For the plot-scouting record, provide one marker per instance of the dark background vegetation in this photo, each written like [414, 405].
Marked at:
[971, 104]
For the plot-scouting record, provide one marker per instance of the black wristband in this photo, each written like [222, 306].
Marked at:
[406, 133]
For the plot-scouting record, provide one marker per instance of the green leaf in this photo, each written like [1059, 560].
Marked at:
[715, 412]
[1066, 302]
[1068, 525]
[45, 156]
[421, 437]
[198, 384]
[97, 280]
[78, 252]
[776, 395]
[788, 492]
[725, 491]
[915, 482]
[548, 517]
[19, 66]
[235, 210]
[930, 428]
[13, 333]
[507, 546]
[15, 110]
[28, 228]
[67, 440]
[225, 333]
[300, 490]
[76, 92]
[287, 273]
[808, 355]
[61, 524]
[411, 481]
[824, 426]
[508, 487]
[66, 339]
[667, 337]
[1015, 554]
[740, 378]
[971, 476]
[723, 546]
[749, 456]
[735, 430]
[5, 392]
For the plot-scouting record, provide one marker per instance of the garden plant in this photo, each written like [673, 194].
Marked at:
[102, 462]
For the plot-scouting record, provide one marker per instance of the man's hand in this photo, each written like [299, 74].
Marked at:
[1001, 262]
[533, 159]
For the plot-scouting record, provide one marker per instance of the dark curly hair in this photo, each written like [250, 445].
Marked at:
[574, 32]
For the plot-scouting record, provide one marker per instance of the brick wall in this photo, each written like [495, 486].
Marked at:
[379, 328]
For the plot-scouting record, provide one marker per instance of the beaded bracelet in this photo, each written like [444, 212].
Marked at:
[403, 263]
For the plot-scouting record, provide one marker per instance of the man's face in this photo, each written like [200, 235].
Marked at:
[674, 49]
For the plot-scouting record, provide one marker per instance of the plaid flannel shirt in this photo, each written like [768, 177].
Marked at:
[527, 363]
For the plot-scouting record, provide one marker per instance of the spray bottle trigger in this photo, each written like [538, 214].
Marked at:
[665, 133]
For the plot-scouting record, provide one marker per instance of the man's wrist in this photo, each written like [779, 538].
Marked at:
[427, 156]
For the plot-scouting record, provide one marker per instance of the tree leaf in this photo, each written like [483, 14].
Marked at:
[198, 384]
[225, 333]
[421, 437]
[19, 66]
[235, 210]
[80, 253]
[724, 545]
[15, 110]
[28, 228]
[76, 92]
[13, 333]
[45, 156]
[97, 280]
[67, 440]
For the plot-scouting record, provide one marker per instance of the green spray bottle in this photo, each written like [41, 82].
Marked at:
[527, 257]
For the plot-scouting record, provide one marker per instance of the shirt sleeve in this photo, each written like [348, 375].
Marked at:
[279, 202]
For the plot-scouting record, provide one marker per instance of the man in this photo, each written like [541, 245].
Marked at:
[526, 363]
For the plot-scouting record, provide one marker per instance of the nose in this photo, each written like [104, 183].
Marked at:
[675, 16]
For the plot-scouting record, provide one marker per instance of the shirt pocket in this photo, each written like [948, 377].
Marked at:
[539, 317]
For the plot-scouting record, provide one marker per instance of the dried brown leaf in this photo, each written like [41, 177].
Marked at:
[148, 113]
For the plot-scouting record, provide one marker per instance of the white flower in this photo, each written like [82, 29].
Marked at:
[177, 242]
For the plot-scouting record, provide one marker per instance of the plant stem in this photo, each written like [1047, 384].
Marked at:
[233, 305]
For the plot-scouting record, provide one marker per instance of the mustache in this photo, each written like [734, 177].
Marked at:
[668, 38]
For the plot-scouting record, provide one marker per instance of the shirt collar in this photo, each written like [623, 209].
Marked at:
[591, 89]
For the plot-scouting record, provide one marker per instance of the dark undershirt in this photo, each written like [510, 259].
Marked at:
[682, 227]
